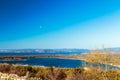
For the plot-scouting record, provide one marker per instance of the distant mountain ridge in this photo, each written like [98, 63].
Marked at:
[113, 49]
[116, 49]
[44, 50]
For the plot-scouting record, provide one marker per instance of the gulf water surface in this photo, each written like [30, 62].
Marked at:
[57, 62]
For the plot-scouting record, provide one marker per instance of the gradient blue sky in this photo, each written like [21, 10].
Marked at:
[59, 24]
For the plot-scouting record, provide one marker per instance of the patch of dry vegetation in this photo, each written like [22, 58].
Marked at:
[51, 73]
[103, 57]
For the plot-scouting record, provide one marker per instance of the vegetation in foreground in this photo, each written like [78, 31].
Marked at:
[51, 73]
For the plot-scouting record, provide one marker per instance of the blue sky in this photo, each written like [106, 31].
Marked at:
[59, 24]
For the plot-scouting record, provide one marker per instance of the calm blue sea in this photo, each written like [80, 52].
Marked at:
[68, 63]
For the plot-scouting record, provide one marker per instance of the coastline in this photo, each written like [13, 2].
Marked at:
[58, 56]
